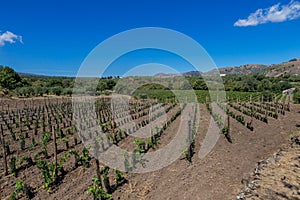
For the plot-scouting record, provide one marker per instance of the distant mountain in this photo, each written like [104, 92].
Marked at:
[291, 67]
[28, 75]
[164, 75]
[248, 69]
[191, 73]
[274, 70]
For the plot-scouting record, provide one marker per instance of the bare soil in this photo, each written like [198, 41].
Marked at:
[277, 177]
[217, 176]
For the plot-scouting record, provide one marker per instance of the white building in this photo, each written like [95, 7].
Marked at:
[289, 91]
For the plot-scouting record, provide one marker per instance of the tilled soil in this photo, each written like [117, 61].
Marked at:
[217, 176]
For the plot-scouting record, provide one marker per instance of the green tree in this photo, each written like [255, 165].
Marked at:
[249, 84]
[38, 91]
[57, 90]
[267, 95]
[199, 85]
[297, 96]
[101, 86]
[54, 83]
[276, 87]
[265, 84]
[67, 91]
[284, 85]
[67, 83]
[110, 84]
[9, 79]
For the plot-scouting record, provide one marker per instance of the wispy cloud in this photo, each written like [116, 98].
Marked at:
[275, 13]
[9, 37]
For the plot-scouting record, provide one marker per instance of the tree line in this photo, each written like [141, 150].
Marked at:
[26, 85]
[31, 85]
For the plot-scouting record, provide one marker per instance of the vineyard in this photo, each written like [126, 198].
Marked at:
[149, 100]
[39, 136]
[50, 151]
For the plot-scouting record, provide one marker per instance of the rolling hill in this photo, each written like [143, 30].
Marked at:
[273, 70]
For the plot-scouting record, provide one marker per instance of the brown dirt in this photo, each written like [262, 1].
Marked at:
[277, 177]
[217, 176]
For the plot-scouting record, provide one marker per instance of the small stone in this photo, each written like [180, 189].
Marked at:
[247, 190]
[271, 160]
[256, 177]
[279, 154]
[251, 186]
[254, 194]
[261, 161]
[241, 196]
[245, 178]
[255, 182]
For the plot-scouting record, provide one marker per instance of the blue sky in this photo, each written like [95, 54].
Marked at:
[54, 37]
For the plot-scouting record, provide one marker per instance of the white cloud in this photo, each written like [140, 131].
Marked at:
[9, 37]
[275, 13]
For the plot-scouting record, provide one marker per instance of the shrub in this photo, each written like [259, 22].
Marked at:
[57, 90]
[18, 188]
[297, 96]
[13, 166]
[119, 177]
[97, 190]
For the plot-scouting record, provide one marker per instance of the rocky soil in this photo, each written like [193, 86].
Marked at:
[277, 177]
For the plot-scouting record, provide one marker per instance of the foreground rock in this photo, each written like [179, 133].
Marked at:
[277, 177]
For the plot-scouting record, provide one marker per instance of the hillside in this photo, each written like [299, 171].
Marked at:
[291, 67]
[191, 73]
[274, 70]
[247, 69]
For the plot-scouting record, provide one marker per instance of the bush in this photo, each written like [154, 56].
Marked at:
[57, 90]
[297, 96]
[38, 91]
[67, 91]
[267, 95]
